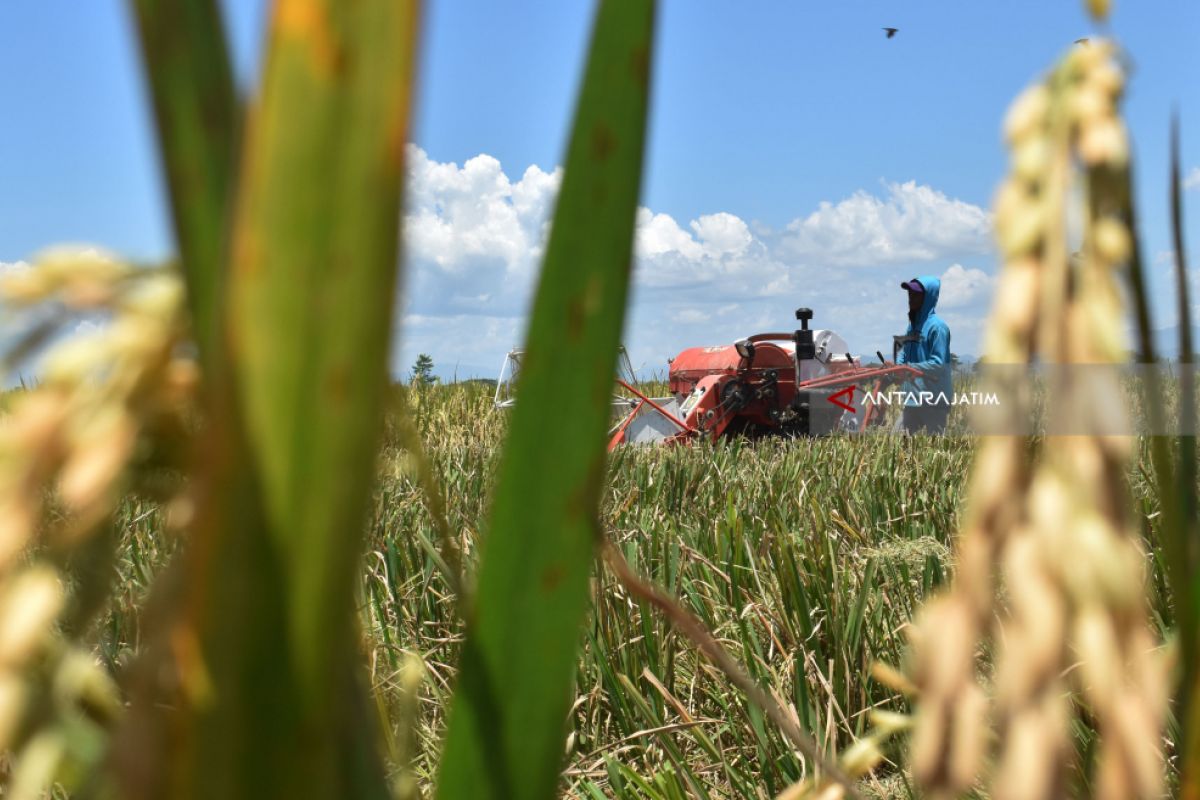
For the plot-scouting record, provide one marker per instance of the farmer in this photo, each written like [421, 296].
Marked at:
[927, 399]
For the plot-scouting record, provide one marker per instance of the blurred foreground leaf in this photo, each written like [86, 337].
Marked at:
[196, 113]
[263, 640]
[314, 264]
[506, 734]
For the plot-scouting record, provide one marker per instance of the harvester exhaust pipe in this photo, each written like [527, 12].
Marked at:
[806, 350]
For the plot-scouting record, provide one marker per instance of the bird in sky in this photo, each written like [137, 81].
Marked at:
[891, 32]
[1084, 40]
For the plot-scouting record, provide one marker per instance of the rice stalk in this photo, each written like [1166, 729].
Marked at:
[1049, 523]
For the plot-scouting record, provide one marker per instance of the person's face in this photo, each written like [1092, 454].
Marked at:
[914, 301]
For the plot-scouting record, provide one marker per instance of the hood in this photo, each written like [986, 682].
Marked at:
[933, 287]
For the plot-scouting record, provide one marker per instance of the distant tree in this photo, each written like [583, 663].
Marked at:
[422, 370]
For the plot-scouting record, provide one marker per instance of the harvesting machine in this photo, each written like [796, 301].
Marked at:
[801, 383]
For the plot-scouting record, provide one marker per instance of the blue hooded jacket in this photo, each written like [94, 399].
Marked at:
[931, 354]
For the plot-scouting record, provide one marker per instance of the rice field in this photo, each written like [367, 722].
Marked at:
[805, 558]
[302, 608]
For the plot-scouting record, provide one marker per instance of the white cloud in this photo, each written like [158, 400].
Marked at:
[912, 223]
[660, 233]
[1192, 179]
[689, 316]
[962, 286]
[474, 239]
[472, 236]
[722, 234]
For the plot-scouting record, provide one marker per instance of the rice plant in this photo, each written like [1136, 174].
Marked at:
[235, 562]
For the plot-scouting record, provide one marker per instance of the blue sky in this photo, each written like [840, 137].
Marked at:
[795, 156]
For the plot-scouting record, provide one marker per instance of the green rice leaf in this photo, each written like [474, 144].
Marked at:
[314, 265]
[506, 734]
[197, 113]
[263, 635]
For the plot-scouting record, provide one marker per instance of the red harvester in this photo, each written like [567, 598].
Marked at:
[801, 383]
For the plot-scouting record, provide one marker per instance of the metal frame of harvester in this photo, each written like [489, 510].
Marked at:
[510, 368]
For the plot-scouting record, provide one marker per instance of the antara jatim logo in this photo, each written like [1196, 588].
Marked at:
[848, 393]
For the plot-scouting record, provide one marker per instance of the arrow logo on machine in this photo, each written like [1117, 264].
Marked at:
[848, 393]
